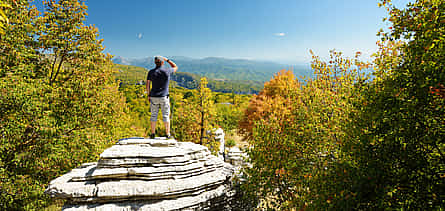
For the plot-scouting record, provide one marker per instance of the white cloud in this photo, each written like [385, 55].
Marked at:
[139, 35]
[281, 34]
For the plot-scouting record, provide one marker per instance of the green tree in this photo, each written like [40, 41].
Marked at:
[139, 108]
[186, 116]
[205, 108]
[59, 103]
[401, 150]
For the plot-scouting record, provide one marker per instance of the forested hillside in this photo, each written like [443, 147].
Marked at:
[128, 74]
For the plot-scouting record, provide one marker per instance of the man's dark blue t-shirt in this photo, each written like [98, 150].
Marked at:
[160, 78]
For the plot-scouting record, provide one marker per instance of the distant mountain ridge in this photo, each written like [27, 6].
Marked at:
[222, 68]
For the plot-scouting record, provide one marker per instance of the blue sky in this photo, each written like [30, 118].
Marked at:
[277, 30]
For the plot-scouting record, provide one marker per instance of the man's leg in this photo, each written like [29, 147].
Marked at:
[165, 107]
[167, 128]
[153, 127]
[154, 108]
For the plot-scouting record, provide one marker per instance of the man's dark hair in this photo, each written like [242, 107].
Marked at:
[158, 61]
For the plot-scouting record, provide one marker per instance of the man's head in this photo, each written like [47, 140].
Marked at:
[159, 61]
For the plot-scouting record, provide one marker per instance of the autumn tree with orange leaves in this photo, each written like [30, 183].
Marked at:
[296, 127]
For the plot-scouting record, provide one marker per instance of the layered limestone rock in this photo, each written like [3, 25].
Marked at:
[235, 156]
[219, 136]
[148, 174]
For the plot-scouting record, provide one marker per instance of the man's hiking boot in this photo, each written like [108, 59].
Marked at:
[152, 136]
[169, 137]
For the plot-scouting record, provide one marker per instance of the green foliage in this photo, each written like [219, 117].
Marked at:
[186, 116]
[229, 110]
[230, 143]
[59, 104]
[138, 108]
[401, 122]
[206, 111]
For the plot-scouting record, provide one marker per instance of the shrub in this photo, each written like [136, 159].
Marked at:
[230, 143]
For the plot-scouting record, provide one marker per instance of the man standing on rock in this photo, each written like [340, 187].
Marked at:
[158, 93]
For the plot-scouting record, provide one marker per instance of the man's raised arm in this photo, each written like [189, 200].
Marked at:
[171, 63]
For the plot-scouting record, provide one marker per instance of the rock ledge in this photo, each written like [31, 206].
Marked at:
[148, 174]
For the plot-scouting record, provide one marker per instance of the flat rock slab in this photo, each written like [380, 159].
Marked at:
[150, 154]
[146, 150]
[90, 191]
[157, 142]
[147, 174]
[181, 170]
[158, 189]
[150, 161]
[62, 187]
[198, 202]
